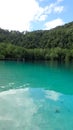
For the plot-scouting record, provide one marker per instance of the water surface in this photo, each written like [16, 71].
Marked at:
[36, 96]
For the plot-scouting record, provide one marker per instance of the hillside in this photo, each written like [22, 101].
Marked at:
[58, 37]
[56, 43]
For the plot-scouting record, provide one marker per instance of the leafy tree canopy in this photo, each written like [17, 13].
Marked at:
[54, 44]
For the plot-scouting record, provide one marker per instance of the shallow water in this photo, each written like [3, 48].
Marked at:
[36, 96]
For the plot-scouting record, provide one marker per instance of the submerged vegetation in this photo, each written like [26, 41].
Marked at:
[54, 44]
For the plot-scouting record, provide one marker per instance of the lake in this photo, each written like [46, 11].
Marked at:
[36, 96]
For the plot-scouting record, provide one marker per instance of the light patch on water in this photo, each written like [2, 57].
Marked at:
[52, 95]
[3, 118]
[11, 83]
[18, 107]
[27, 109]
[9, 92]
[12, 91]
[24, 85]
[27, 84]
[2, 86]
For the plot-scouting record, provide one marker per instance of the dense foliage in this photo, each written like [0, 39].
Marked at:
[54, 44]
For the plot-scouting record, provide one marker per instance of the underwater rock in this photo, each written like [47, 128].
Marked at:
[57, 111]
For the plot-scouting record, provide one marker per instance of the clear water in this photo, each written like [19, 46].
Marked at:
[36, 96]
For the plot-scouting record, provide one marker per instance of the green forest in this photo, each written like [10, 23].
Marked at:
[54, 44]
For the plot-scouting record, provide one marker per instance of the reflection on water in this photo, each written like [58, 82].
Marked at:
[35, 109]
[52, 95]
[36, 96]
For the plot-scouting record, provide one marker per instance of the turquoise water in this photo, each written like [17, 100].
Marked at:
[36, 96]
